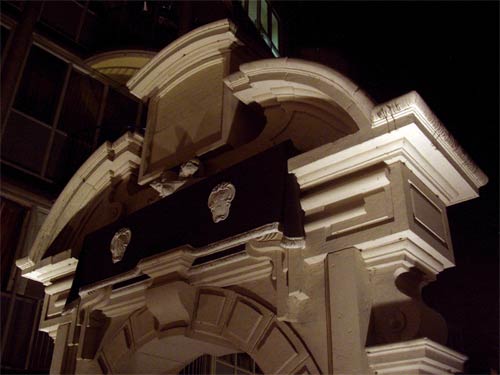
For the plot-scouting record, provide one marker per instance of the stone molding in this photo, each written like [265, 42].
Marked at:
[333, 193]
[185, 56]
[120, 65]
[375, 205]
[230, 270]
[223, 272]
[217, 316]
[407, 144]
[49, 269]
[110, 161]
[173, 75]
[102, 59]
[413, 104]
[405, 249]
[421, 356]
[282, 79]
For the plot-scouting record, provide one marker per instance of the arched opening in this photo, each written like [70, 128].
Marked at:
[237, 331]
[229, 364]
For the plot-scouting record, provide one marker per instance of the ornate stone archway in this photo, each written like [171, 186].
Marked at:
[186, 322]
[373, 183]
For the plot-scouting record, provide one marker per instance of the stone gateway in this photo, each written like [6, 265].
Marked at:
[297, 243]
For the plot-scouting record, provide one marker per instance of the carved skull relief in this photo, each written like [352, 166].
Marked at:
[119, 244]
[219, 201]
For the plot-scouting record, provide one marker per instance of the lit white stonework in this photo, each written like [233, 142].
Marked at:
[119, 244]
[375, 182]
[219, 201]
[420, 356]
[166, 185]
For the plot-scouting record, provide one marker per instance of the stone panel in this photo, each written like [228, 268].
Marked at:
[243, 321]
[245, 324]
[119, 347]
[210, 308]
[427, 214]
[307, 367]
[194, 124]
[283, 351]
[143, 327]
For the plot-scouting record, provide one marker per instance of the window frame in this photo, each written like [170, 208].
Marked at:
[267, 35]
[73, 63]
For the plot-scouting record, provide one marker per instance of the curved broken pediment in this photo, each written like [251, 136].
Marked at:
[303, 101]
[198, 103]
[190, 110]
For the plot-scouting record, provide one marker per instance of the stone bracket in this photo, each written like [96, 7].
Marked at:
[287, 274]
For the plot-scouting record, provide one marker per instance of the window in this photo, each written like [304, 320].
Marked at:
[60, 115]
[237, 363]
[274, 32]
[119, 116]
[263, 16]
[80, 110]
[230, 364]
[265, 19]
[11, 221]
[75, 20]
[252, 10]
[63, 16]
[41, 85]
[18, 4]
[89, 29]
[66, 156]
[4, 37]
[25, 142]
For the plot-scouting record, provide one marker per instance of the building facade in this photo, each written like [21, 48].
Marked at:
[272, 216]
[64, 67]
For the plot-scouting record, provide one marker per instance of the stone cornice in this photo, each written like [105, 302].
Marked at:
[408, 144]
[415, 356]
[405, 249]
[111, 160]
[287, 79]
[412, 104]
[49, 269]
[184, 56]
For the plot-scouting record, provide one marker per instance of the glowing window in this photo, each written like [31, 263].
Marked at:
[252, 10]
[275, 31]
[263, 16]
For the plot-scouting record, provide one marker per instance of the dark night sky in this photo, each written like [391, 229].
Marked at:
[449, 53]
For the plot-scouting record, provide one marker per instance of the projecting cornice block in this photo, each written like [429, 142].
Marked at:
[404, 130]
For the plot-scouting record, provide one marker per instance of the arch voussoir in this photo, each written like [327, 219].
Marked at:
[221, 318]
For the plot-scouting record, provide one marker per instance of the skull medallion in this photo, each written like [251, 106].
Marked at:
[219, 201]
[119, 244]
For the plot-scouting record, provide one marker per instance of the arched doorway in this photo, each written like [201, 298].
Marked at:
[229, 364]
[237, 331]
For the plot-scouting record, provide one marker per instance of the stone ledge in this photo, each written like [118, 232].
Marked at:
[412, 103]
[421, 356]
